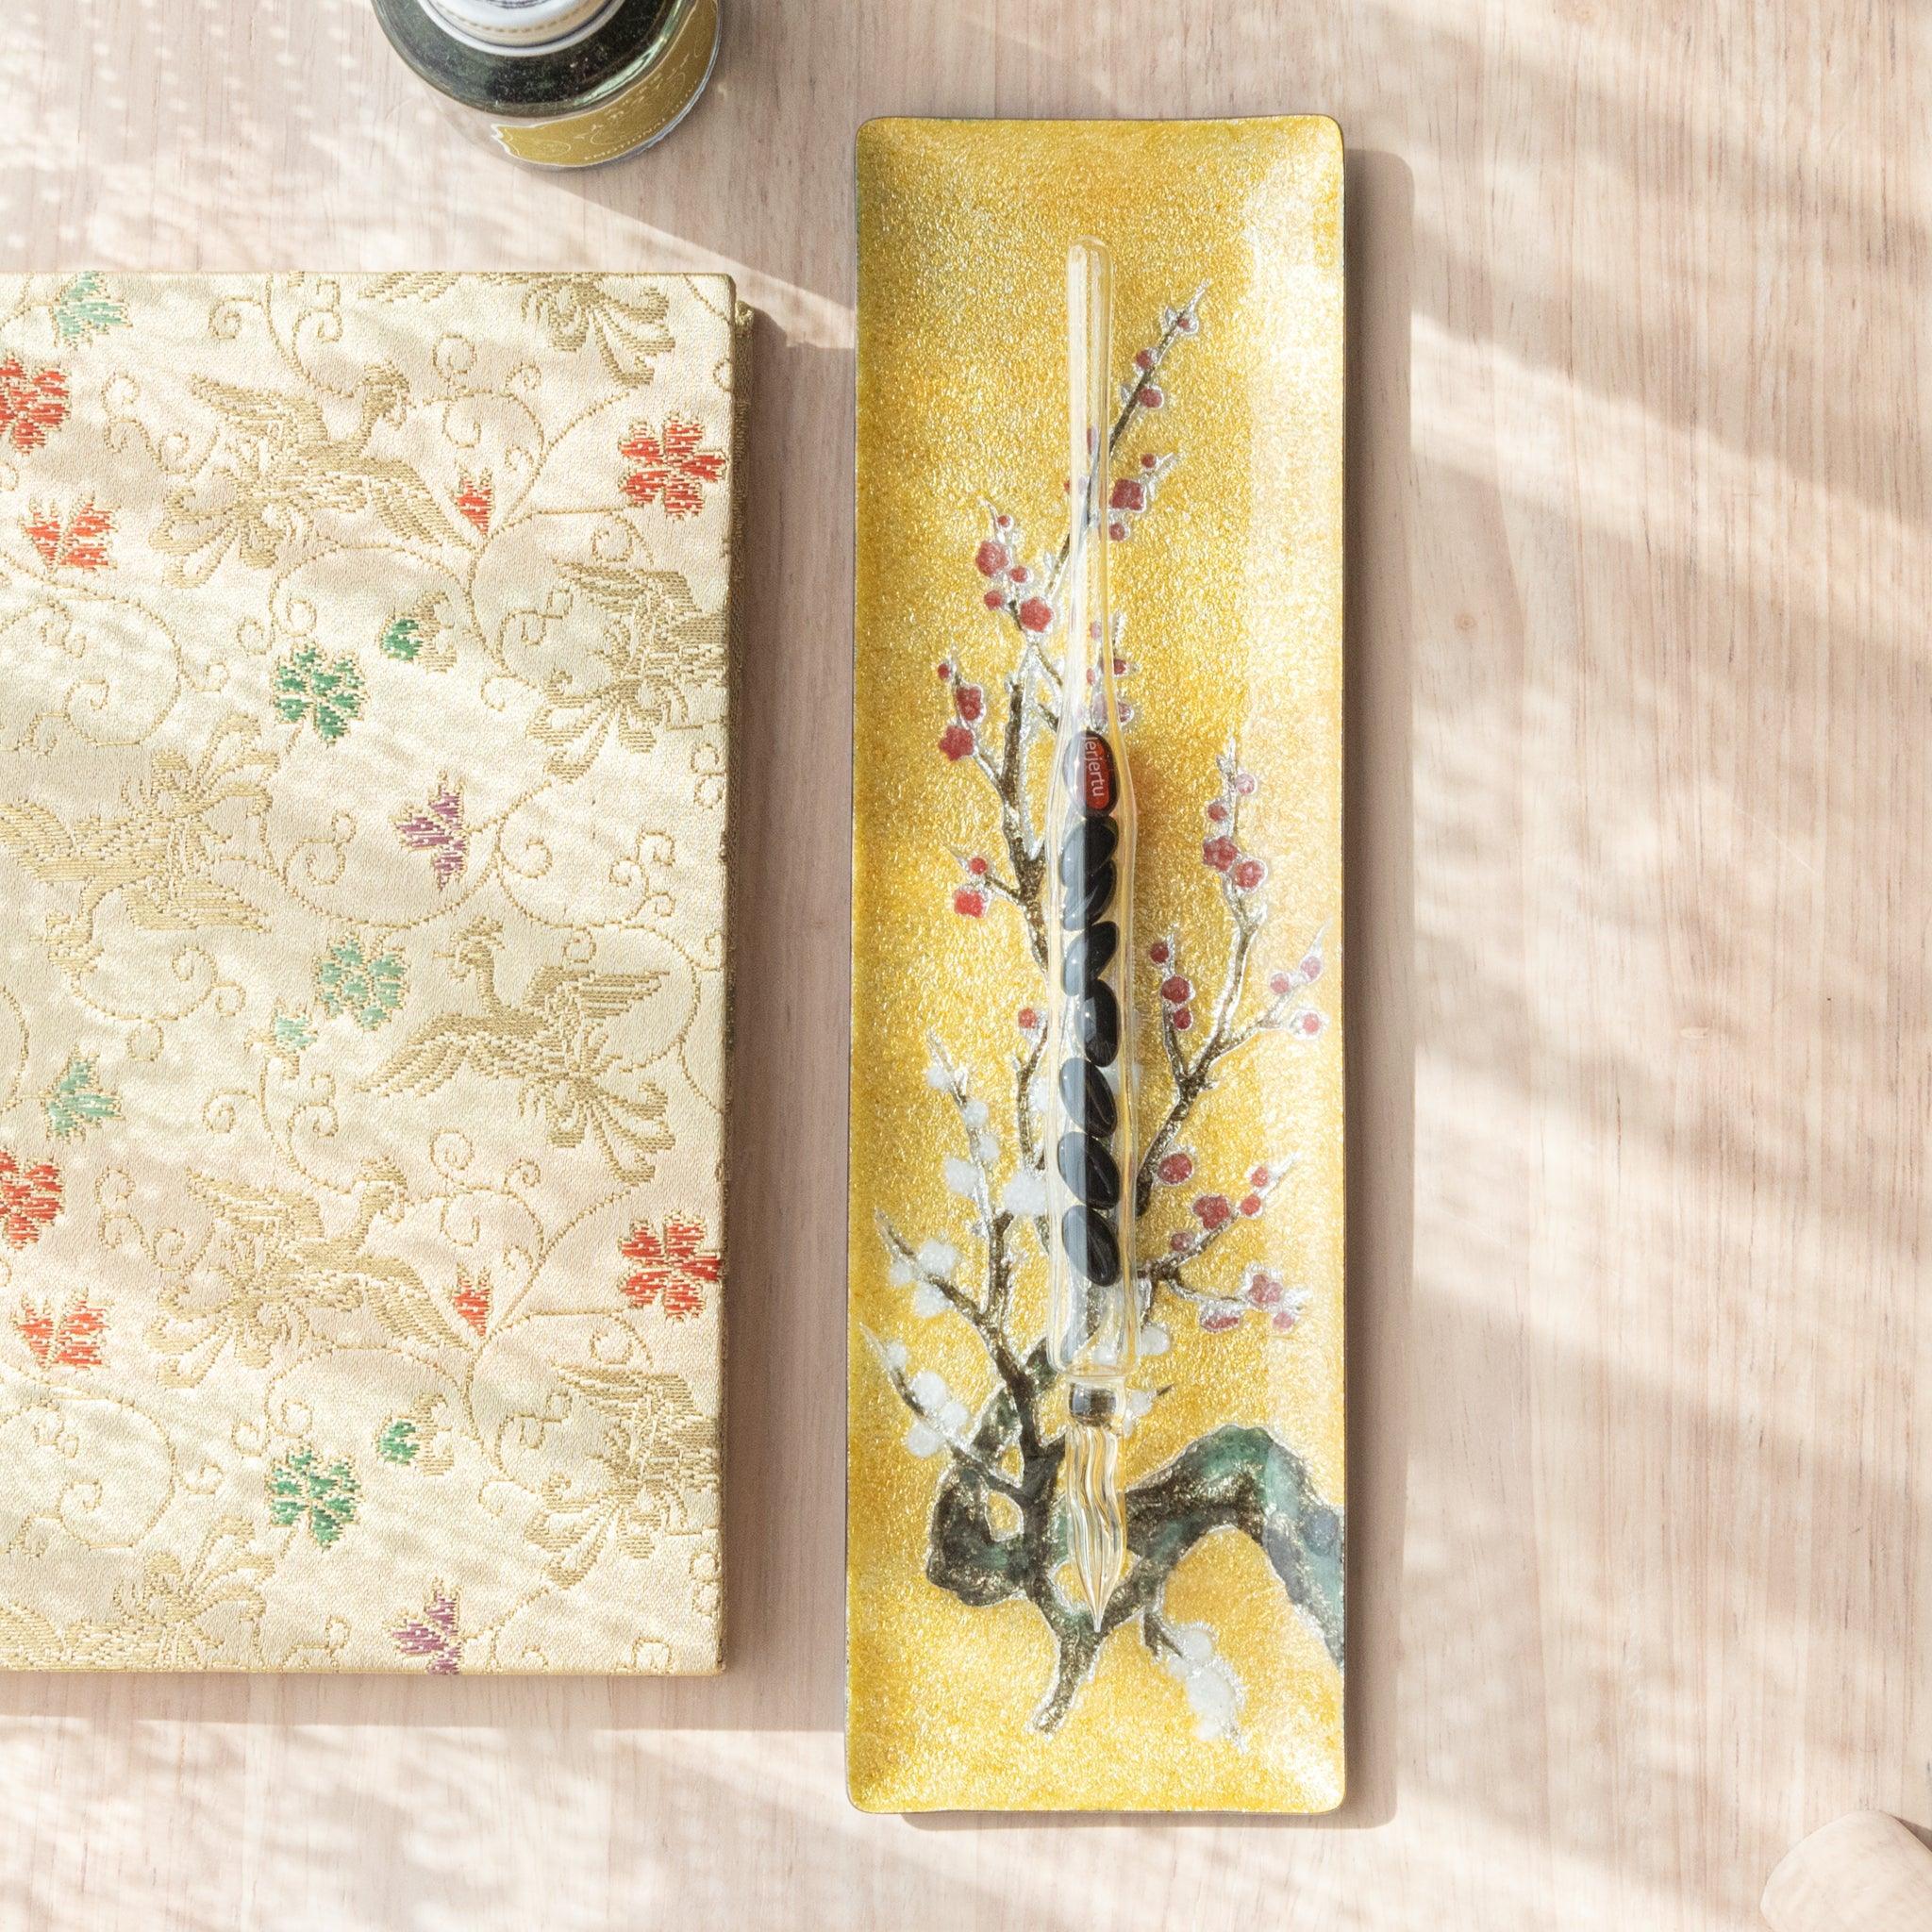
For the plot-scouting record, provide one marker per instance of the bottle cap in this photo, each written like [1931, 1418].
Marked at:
[519, 27]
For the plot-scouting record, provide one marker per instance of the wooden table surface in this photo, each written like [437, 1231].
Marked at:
[1641, 885]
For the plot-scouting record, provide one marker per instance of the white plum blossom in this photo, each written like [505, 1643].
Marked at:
[962, 1176]
[974, 1114]
[986, 1149]
[941, 1414]
[1153, 1339]
[1215, 1694]
[938, 1076]
[937, 1257]
[1025, 1194]
[900, 1273]
[927, 1301]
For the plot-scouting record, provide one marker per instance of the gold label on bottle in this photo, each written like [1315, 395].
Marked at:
[643, 112]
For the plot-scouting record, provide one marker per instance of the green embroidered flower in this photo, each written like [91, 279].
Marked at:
[291, 1033]
[84, 308]
[417, 633]
[329, 691]
[402, 638]
[78, 1101]
[399, 1441]
[368, 987]
[300, 1490]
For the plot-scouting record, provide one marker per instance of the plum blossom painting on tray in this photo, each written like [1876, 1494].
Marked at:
[363, 759]
[1212, 1678]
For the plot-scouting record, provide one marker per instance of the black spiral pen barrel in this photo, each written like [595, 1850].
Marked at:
[1086, 1148]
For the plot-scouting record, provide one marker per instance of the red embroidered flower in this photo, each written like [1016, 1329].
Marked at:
[1128, 493]
[1218, 1316]
[29, 1198]
[672, 468]
[1036, 614]
[979, 865]
[991, 559]
[1217, 812]
[1175, 1168]
[32, 403]
[1281, 984]
[1220, 852]
[1027, 1019]
[1260, 1176]
[1311, 1025]
[1150, 397]
[69, 1338]
[476, 499]
[1183, 1018]
[1213, 1211]
[1251, 1205]
[1177, 989]
[1159, 952]
[956, 741]
[675, 1269]
[970, 701]
[1249, 874]
[1311, 967]
[471, 1299]
[968, 902]
[994, 600]
[78, 543]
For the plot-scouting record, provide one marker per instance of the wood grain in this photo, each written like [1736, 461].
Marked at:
[1640, 1066]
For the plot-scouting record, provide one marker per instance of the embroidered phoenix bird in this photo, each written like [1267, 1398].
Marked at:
[280, 469]
[156, 856]
[650, 1479]
[553, 1044]
[271, 1268]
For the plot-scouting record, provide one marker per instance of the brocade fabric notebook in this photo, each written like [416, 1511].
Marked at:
[364, 754]
[1213, 1680]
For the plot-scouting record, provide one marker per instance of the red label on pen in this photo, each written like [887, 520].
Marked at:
[1096, 774]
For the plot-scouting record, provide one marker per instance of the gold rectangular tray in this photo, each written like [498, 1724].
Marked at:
[1215, 1682]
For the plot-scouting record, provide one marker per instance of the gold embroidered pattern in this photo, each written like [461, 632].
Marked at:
[362, 971]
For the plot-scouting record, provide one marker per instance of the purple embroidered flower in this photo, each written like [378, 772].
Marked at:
[433, 1636]
[439, 830]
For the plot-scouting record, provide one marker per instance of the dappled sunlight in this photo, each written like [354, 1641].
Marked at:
[1640, 853]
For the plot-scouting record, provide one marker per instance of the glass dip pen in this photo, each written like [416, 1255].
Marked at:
[1092, 1302]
